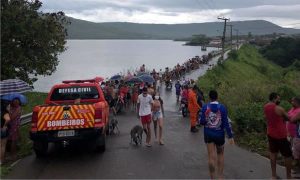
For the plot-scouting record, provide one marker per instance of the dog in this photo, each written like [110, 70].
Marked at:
[113, 126]
[137, 135]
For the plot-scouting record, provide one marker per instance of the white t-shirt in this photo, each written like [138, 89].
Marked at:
[145, 104]
[158, 83]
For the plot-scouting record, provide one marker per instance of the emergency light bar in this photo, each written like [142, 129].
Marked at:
[95, 80]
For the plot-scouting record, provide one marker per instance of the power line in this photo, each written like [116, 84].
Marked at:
[224, 32]
[214, 4]
[230, 25]
[213, 7]
[210, 13]
[237, 39]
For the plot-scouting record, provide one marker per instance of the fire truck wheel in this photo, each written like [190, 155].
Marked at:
[100, 144]
[40, 148]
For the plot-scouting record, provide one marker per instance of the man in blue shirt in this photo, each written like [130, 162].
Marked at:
[178, 90]
[215, 121]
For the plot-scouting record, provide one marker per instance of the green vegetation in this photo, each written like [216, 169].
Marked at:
[233, 54]
[24, 149]
[30, 40]
[33, 99]
[198, 40]
[283, 51]
[244, 82]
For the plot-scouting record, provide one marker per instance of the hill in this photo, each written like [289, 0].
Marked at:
[80, 29]
[244, 85]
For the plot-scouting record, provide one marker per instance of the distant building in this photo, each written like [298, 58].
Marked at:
[216, 42]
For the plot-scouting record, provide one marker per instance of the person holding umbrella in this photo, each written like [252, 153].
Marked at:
[10, 90]
[16, 100]
[5, 119]
[14, 133]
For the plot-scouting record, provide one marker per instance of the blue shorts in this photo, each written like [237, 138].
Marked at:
[156, 115]
[217, 140]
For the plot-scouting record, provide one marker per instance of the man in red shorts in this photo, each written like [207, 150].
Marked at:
[277, 134]
[144, 104]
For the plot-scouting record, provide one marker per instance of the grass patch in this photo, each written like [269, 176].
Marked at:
[24, 148]
[244, 82]
[33, 99]
[5, 169]
[25, 145]
[255, 142]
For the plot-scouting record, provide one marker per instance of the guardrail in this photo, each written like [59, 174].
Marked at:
[25, 119]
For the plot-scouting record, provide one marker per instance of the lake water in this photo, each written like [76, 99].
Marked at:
[86, 59]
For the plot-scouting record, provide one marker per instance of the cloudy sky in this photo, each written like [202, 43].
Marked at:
[285, 13]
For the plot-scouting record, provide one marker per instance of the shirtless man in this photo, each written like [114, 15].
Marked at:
[157, 116]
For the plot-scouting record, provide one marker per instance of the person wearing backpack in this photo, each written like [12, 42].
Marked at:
[215, 121]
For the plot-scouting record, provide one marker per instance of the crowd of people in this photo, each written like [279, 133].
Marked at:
[179, 71]
[128, 92]
[121, 92]
[213, 116]
[282, 128]
[144, 99]
[10, 124]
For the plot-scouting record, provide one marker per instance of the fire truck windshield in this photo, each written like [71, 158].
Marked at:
[74, 92]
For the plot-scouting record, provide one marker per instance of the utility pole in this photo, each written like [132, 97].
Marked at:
[230, 35]
[223, 38]
[237, 39]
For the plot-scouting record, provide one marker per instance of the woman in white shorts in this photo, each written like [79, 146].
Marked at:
[157, 117]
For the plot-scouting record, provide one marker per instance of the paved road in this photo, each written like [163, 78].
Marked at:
[183, 156]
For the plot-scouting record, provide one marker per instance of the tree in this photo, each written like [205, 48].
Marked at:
[199, 40]
[233, 54]
[249, 36]
[283, 51]
[30, 40]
